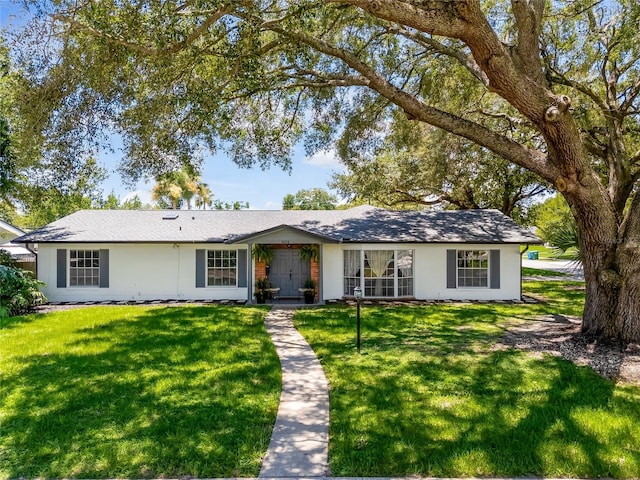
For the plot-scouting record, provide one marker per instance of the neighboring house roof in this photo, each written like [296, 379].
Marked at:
[356, 225]
[8, 232]
[18, 252]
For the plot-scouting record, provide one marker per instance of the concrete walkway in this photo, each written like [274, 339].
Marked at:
[300, 439]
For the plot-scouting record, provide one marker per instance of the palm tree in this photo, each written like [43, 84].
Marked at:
[176, 186]
[204, 196]
[167, 188]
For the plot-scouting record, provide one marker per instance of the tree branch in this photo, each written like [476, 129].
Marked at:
[533, 160]
[560, 79]
[446, 18]
[528, 16]
[631, 96]
[466, 61]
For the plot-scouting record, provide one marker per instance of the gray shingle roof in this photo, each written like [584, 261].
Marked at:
[357, 225]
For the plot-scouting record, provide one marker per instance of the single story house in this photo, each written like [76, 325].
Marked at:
[100, 255]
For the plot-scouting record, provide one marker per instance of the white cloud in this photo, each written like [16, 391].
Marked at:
[324, 159]
[143, 195]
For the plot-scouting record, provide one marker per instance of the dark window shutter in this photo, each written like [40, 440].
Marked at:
[104, 268]
[494, 269]
[201, 270]
[242, 268]
[62, 268]
[451, 269]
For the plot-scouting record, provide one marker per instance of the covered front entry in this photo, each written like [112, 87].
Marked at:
[288, 271]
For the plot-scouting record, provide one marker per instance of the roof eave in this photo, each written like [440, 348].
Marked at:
[255, 235]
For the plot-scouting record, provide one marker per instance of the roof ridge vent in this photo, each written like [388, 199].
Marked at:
[170, 216]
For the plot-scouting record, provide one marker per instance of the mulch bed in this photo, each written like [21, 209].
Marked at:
[560, 335]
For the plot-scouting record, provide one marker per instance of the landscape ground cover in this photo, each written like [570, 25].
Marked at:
[133, 392]
[431, 395]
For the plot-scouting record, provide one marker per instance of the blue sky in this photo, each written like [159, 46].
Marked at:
[228, 182]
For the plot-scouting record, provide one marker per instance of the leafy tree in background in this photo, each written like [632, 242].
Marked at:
[219, 205]
[557, 226]
[312, 199]
[113, 202]
[552, 87]
[419, 166]
[550, 215]
[47, 200]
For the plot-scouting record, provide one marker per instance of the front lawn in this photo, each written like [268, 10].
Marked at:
[431, 396]
[132, 392]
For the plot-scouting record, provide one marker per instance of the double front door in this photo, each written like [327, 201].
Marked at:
[288, 271]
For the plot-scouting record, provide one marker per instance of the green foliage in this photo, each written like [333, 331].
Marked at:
[565, 241]
[262, 283]
[310, 252]
[312, 199]
[556, 225]
[262, 252]
[6, 259]
[19, 291]
[137, 392]
[220, 205]
[418, 166]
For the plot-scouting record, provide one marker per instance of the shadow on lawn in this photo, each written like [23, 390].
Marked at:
[171, 392]
[430, 397]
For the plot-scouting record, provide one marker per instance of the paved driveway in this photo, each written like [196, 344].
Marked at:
[563, 266]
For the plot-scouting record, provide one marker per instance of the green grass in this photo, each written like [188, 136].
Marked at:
[117, 392]
[430, 396]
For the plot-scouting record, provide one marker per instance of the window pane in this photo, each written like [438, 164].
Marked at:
[84, 268]
[221, 268]
[473, 268]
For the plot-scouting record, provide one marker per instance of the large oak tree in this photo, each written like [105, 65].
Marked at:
[551, 86]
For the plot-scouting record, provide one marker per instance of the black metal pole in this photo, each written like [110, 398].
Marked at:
[358, 325]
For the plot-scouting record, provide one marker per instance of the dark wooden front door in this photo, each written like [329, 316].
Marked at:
[288, 271]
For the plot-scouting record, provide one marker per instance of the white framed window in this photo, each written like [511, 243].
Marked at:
[222, 268]
[472, 268]
[404, 264]
[381, 273]
[84, 268]
[352, 270]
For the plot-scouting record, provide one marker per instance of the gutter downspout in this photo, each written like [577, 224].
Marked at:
[251, 270]
[522, 253]
[320, 275]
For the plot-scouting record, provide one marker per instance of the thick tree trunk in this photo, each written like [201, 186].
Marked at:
[628, 259]
[611, 260]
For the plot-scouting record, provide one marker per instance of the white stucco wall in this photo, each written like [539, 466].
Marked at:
[430, 272]
[137, 272]
[167, 271]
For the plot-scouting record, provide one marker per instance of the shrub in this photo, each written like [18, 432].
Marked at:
[19, 291]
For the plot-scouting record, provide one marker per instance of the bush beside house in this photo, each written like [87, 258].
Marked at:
[19, 291]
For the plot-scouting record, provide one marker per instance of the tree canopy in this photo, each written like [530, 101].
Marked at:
[420, 166]
[552, 87]
[312, 199]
